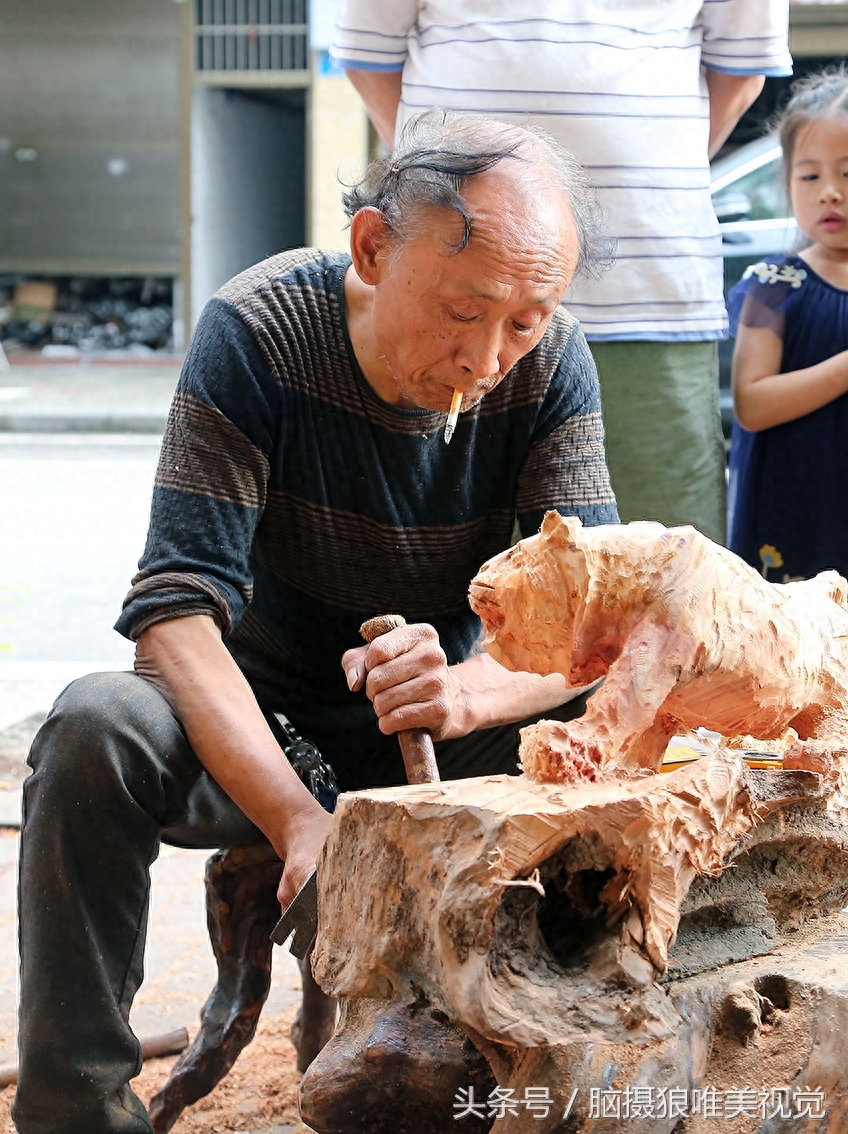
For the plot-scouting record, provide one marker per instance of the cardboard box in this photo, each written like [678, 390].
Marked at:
[35, 299]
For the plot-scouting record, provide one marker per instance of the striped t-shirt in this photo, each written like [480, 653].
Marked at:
[620, 85]
[291, 502]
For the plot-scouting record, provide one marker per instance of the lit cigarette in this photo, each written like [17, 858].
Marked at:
[453, 416]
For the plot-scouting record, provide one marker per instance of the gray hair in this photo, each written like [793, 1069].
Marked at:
[439, 151]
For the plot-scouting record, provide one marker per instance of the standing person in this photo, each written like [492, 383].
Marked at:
[642, 93]
[304, 484]
[789, 455]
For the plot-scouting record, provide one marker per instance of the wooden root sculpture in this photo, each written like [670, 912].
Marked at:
[579, 922]
[393, 1068]
[540, 918]
[538, 915]
[241, 909]
[685, 634]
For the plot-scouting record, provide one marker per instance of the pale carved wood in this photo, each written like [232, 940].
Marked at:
[592, 922]
[778, 1022]
[685, 635]
[432, 894]
[519, 907]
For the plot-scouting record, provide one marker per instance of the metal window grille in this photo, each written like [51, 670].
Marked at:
[251, 35]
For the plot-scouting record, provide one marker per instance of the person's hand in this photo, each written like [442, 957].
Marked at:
[304, 839]
[407, 678]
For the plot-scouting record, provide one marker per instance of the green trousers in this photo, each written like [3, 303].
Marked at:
[665, 448]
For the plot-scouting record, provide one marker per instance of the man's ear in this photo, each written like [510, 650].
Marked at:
[370, 238]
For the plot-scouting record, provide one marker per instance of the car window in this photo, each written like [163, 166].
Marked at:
[756, 195]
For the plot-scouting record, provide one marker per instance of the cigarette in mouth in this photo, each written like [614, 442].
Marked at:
[453, 416]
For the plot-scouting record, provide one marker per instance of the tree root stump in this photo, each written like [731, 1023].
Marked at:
[764, 1043]
[241, 911]
[393, 1067]
[591, 940]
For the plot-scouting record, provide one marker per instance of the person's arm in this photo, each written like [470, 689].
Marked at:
[188, 663]
[406, 675]
[763, 397]
[730, 97]
[742, 42]
[380, 91]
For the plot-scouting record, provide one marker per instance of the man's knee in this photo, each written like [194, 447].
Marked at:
[97, 726]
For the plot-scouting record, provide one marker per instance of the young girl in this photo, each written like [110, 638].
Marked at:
[788, 497]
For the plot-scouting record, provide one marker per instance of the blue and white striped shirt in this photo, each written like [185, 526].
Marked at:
[620, 85]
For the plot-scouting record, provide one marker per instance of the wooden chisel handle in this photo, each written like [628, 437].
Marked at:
[416, 744]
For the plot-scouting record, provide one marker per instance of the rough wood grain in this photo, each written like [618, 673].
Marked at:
[686, 635]
[393, 1069]
[769, 1030]
[537, 914]
[440, 901]
[593, 925]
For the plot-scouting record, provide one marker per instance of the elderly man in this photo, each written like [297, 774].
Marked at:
[304, 484]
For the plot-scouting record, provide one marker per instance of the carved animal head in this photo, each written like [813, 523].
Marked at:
[530, 596]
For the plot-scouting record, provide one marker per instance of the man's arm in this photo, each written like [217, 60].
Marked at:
[730, 97]
[188, 663]
[380, 91]
[406, 675]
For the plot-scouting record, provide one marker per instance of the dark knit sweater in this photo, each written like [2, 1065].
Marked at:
[291, 502]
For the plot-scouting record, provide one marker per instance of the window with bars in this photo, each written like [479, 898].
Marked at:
[251, 35]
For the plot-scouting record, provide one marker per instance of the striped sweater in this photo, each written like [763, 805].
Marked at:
[291, 502]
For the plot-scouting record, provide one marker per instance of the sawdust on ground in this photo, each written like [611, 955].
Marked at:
[774, 1058]
[259, 1095]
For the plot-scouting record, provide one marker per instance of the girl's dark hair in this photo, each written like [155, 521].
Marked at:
[821, 95]
[438, 152]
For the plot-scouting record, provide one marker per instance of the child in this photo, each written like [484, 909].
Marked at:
[788, 497]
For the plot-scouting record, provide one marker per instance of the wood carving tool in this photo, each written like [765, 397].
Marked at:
[419, 759]
[300, 918]
[416, 744]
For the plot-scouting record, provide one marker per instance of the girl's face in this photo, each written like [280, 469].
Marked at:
[818, 183]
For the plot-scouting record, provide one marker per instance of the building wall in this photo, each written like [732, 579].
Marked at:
[247, 178]
[337, 152]
[818, 29]
[90, 136]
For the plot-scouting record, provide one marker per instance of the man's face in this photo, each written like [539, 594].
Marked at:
[445, 320]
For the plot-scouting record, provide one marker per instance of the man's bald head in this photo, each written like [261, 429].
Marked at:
[438, 155]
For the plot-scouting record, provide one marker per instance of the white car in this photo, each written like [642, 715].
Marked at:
[752, 207]
[751, 204]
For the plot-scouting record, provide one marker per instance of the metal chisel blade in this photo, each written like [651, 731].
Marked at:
[300, 918]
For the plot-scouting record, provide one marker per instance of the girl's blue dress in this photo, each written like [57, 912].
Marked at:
[788, 489]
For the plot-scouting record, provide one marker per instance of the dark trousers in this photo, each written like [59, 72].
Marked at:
[113, 774]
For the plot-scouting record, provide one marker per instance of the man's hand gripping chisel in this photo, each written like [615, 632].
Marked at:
[419, 759]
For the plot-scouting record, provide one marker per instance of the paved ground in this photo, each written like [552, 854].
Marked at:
[73, 513]
[180, 970]
[88, 397]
